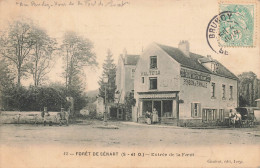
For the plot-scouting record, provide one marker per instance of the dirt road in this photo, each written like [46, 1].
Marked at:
[127, 135]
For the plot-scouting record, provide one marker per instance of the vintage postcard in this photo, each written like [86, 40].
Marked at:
[129, 83]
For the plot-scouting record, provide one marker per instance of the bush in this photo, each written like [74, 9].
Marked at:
[35, 98]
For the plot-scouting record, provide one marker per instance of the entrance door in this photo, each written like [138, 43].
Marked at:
[157, 105]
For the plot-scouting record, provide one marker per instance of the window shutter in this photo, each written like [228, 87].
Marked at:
[203, 115]
[192, 109]
[199, 115]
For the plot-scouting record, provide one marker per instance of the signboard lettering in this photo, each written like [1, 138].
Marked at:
[151, 72]
[195, 83]
[185, 73]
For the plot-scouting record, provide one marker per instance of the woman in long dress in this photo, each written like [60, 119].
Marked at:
[148, 117]
[155, 116]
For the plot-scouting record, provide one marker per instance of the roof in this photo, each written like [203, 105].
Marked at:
[192, 61]
[131, 59]
[205, 60]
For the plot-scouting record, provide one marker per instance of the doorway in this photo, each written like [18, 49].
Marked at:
[158, 106]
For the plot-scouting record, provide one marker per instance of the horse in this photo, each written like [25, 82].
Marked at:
[238, 120]
[235, 119]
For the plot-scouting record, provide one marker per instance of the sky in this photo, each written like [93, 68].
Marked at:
[131, 27]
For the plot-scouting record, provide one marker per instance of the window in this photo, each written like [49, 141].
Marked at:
[209, 115]
[132, 73]
[153, 83]
[195, 109]
[214, 114]
[223, 91]
[142, 80]
[153, 62]
[167, 108]
[231, 92]
[221, 115]
[214, 67]
[213, 90]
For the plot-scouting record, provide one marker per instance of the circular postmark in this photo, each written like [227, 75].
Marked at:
[213, 32]
[232, 28]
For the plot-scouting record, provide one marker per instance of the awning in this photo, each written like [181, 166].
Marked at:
[157, 95]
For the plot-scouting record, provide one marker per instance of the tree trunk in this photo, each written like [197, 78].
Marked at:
[250, 90]
[19, 76]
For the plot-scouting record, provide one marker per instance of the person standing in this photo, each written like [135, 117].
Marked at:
[232, 118]
[155, 116]
[148, 117]
[46, 116]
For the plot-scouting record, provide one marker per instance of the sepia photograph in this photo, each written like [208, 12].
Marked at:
[129, 83]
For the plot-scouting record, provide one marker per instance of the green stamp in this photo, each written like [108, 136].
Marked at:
[236, 29]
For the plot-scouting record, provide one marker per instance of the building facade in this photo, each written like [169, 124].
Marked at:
[185, 88]
[125, 74]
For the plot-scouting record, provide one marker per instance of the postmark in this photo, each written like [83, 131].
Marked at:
[234, 26]
[213, 34]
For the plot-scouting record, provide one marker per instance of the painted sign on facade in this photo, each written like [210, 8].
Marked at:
[185, 73]
[151, 72]
[191, 82]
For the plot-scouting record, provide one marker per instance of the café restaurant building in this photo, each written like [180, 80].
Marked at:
[184, 88]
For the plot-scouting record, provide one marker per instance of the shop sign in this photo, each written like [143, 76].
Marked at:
[185, 73]
[191, 82]
[160, 96]
[151, 72]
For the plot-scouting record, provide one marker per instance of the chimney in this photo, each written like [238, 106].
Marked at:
[209, 57]
[124, 52]
[184, 46]
[125, 55]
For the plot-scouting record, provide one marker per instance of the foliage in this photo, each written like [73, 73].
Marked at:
[129, 102]
[6, 76]
[80, 99]
[28, 49]
[109, 70]
[248, 89]
[35, 98]
[16, 45]
[42, 53]
[77, 53]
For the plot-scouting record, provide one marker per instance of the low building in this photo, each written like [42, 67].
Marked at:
[100, 107]
[185, 88]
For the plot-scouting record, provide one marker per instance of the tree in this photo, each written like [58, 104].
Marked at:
[129, 103]
[248, 88]
[6, 76]
[42, 53]
[6, 80]
[255, 89]
[109, 70]
[77, 53]
[16, 45]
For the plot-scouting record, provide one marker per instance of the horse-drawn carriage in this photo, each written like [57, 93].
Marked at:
[247, 116]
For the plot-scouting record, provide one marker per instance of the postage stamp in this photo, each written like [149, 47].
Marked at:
[234, 26]
[237, 28]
